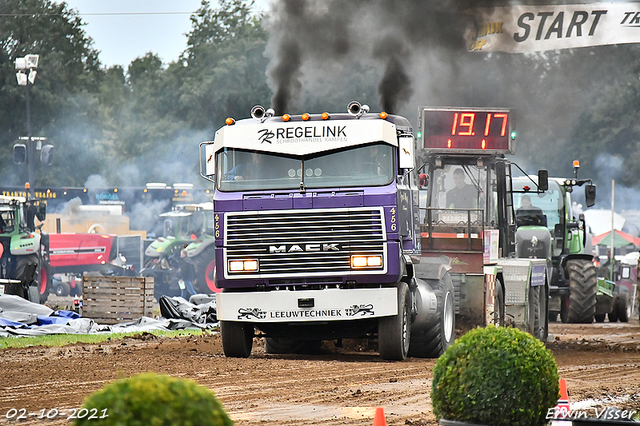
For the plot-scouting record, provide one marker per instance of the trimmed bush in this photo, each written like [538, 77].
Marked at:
[151, 399]
[495, 376]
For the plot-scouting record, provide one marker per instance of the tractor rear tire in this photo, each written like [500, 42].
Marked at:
[394, 332]
[432, 339]
[21, 271]
[237, 339]
[583, 283]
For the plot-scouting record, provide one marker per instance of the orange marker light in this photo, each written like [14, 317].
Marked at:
[27, 185]
[576, 163]
[305, 117]
[286, 117]
[230, 121]
[325, 115]
[383, 115]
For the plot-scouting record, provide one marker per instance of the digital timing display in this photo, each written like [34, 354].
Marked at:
[467, 130]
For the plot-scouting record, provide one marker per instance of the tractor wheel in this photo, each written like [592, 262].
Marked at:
[599, 317]
[45, 284]
[613, 315]
[536, 316]
[394, 332]
[21, 271]
[623, 305]
[237, 339]
[432, 339]
[205, 271]
[62, 289]
[564, 309]
[274, 345]
[499, 313]
[583, 284]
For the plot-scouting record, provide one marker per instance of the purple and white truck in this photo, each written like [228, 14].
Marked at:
[318, 232]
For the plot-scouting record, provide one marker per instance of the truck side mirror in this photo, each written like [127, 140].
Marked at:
[207, 161]
[41, 212]
[46, 155]
[543, 180]
[590, 195]
[19, 153]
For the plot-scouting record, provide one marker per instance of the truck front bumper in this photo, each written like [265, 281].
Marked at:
[307, 305]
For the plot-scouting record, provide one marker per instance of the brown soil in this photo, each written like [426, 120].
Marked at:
[339, 387]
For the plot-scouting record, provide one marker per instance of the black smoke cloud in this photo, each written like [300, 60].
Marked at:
[387, 34]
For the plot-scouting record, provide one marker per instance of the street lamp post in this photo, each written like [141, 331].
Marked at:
[26, 75]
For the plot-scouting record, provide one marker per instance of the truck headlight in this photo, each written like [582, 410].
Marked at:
[374, 261]
[244, 265]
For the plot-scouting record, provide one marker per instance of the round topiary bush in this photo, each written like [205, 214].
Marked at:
[495, 376]
[151, 399]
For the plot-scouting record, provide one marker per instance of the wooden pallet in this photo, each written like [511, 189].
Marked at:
[112, 300]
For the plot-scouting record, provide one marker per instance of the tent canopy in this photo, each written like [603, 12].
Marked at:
[620, 239]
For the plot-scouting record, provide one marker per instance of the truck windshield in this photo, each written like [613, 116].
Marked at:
[242, 170]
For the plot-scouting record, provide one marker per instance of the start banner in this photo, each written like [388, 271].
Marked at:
[520, 29]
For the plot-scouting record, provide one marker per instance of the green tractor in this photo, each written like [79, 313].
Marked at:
[187, 236]
[550, 228]
[23, 250]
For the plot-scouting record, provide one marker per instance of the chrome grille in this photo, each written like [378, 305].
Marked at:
[291, 243]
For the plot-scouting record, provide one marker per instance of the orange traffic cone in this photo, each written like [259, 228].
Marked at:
[562, 410]
[378, 419]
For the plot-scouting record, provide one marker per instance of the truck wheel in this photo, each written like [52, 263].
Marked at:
[583, 284]
[237, 339]
[613, 315]
[432, 339]
[394, 332]
[623, 306]
[279, 346]
[599, 317]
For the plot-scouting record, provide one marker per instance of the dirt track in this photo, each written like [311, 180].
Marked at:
[341, 387]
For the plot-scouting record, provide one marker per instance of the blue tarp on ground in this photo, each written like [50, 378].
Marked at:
[19, 317]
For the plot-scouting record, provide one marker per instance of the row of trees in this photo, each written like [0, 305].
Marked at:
[144, 123]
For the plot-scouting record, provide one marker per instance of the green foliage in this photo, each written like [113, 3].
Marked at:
[496, 376]
[150, 399]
